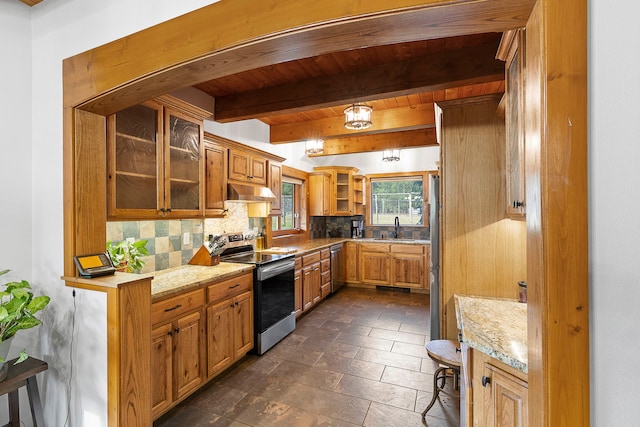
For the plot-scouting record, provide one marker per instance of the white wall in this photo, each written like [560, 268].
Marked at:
[35, 41]
[614, 230]
[256, 134]
[31, 185]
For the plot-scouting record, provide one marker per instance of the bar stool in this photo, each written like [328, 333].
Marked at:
[17, 376]
[447, 354]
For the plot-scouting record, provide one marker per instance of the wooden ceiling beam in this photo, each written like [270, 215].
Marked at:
[379, 141]
[444, 70]
[419, 116]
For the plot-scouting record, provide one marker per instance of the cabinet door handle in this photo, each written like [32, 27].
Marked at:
[172, 308]
[170, 333]
[234, 286]
[177, 330]
[486, 381]
[236, 303]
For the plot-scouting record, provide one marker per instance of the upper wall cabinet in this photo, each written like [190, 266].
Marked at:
[245, 166]
[275, 184]
[512, 51]
[342, 195]
[215, 177]
[154, 156]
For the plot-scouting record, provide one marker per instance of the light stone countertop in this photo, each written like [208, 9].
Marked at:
[494, 326]
[322, 243]
[179, 279]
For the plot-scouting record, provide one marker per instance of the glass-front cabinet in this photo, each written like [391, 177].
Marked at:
[155, 161]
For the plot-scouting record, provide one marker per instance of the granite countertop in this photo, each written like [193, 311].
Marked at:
[317, 244]
[179, 279]
[497, 327]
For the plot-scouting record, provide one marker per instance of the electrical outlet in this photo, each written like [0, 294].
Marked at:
[186, 238]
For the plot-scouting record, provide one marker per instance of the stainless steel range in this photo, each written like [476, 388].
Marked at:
[273, 292]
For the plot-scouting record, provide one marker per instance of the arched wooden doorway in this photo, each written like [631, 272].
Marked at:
[231, 36]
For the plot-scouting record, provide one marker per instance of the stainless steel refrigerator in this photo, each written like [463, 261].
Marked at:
[434, 263]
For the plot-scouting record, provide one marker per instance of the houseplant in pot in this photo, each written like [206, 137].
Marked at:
[127, 255]
[17, 308]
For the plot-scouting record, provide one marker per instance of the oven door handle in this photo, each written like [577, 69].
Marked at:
[270, 270]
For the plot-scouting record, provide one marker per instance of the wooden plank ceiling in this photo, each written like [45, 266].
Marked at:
[306, 98]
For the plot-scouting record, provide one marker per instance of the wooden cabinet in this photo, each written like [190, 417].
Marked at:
[358, 195]
[275, 184]
[499, 393]
[398, 265]
[375, 263]
[154, 160]
[409, 266]
[229, 322]
[177, 349]
[352, 261]
[340, 193]
[215, 178]
[325, 273]
[514, 120]
[246, 166]
[298, 290]
[473, 233]
[320, 194]
[311, 280]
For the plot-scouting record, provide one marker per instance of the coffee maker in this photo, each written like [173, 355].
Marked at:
[356, 229]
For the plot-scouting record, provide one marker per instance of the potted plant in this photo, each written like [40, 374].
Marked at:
[127, 255]
[17, 308]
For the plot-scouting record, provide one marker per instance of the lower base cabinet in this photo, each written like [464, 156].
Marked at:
[396, 265]
[177, 349]
[229, 322]
[312, 279]
[189, 347]
[499, 393]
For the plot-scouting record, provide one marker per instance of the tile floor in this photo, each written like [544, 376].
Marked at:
[358, 359]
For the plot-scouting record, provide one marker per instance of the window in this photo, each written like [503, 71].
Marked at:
[288, 222]
[397, 195]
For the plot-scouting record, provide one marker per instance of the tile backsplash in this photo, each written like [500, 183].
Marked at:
[165, 238]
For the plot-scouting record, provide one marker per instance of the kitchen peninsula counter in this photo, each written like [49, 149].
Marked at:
[496, 327]
[179, 279]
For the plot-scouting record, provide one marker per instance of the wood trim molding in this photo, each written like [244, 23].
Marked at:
[229, 143]
[209, 43]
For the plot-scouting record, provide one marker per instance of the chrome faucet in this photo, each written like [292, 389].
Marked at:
[396, 225]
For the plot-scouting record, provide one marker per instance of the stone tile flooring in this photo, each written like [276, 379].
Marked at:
[358, 359]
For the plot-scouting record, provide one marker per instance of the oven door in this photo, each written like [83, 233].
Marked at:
[274, 298]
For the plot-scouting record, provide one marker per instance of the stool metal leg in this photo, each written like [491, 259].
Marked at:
[34, 399]
[436, 389]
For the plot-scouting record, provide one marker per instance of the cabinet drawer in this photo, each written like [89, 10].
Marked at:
[326, 277]
[230, 287]
[298, 263]
[325, 265]
[173, 307]
[408, 249]
[325, 253]
[310, 258]
[374, 247]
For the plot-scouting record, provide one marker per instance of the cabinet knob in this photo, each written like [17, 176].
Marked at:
[170, 333]
[486, 381]
[177, 330]
[518, 204]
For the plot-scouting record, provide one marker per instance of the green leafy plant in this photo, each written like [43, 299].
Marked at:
[128, 255]
[17, 309]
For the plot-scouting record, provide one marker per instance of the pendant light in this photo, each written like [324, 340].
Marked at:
[357, 116]
[391, 155]
[314, 146]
